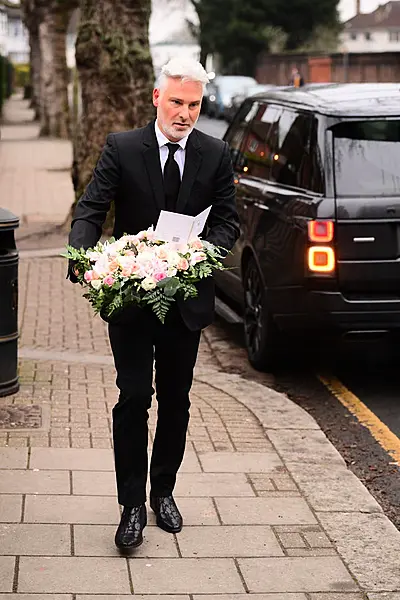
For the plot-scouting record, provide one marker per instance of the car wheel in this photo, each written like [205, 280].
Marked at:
[264, 342]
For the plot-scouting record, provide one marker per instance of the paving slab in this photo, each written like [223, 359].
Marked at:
[304, 446]
[228, 541]
[370, 545]
[274, 410]
[90, 510]
[98, 540]
[34, 482]
[195, 511]
[94, 483]
[190, 463]
[337, 596]
[296, 574]
[35, 597]
[7, 568]
[264, 511]
[73, 574]
[13, 458]
[74, 459]
[333, 489]
[10, 509]
[29, 539]
[240, 462]
[137, 597]
[384, 596]
[213, 484]
[252, 597]
[185, 576]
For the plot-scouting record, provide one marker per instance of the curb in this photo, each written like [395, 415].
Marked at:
[365, 538]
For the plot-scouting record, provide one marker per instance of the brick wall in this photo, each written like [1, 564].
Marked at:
[357, 68]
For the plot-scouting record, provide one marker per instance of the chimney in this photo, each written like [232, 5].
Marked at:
[358, 7]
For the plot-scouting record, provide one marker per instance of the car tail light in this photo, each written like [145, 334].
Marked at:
[320, 231]
[321, 259]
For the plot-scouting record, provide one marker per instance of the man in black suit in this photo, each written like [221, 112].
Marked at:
[165, 165]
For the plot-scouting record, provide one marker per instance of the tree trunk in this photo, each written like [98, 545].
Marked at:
[35, 62]
[55, 120]
[47, 22]
[31, 18]
[116, 77]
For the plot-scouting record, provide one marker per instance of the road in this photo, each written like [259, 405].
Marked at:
[354, 394]
[215, 127]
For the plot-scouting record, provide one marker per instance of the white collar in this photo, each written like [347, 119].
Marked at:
[163, 140]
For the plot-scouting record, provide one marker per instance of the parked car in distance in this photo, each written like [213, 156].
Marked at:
[239, 97]
[222, 89]
[318, 195]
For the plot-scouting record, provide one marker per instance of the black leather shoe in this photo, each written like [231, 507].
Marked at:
[129, 532]
[168, 516]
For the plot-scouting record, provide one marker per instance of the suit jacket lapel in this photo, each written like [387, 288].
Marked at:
[192, 164]
[151, 156]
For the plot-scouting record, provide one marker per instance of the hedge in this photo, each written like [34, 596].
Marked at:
[6, 77]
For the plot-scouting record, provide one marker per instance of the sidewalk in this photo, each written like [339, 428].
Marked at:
[271, 511]
[34, 174]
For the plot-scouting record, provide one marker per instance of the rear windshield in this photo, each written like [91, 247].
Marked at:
[367, 158]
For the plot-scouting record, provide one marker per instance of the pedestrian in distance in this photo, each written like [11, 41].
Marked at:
[165, 165]
[296, 79]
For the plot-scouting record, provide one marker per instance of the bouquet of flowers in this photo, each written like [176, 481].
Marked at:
[142, 270]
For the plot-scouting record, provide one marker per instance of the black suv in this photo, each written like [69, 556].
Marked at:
[317, 172]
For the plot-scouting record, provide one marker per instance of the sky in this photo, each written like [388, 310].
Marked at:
[347, 8]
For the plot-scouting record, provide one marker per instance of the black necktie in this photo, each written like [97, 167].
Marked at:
[172, 178]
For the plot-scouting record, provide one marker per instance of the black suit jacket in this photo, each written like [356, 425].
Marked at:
[129, 172]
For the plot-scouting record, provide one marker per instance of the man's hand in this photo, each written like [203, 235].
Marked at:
[72, 272]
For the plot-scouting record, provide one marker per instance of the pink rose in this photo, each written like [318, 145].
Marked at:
[162, 254]
[159, 276]
[198, 257]
[88, 276]
[197, 244]
[182, 265]
[113, 265]
[109, 280]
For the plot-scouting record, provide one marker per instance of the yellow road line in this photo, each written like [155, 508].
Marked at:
[383, 435]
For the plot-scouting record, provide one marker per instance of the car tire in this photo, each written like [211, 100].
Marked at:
[265, 344]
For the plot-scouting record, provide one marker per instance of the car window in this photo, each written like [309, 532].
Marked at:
[238, 129]
[367, 158]
[259, 146]
[293, 161]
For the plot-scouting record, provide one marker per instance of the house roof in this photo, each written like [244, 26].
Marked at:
[385, 16]
[12, 9]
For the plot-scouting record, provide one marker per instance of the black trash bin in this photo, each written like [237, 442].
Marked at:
[8, 304]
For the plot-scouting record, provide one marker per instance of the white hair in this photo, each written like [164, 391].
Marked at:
[186, 69]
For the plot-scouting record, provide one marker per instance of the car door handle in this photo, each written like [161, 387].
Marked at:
[262, 206]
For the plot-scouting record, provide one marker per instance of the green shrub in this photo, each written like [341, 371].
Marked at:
[6, 77]
[21, 76]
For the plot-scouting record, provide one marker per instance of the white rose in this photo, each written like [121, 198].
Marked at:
[173, 258]
[93, 255]
[96, 284]
[148, 284]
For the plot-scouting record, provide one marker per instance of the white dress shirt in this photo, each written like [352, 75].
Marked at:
[179, 155]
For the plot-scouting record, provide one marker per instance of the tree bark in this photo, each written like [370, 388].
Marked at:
[116, 77]
[47, 22]
[55, 118]
[31, 19]
[35, 66]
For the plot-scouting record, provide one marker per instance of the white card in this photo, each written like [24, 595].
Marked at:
[179, 228]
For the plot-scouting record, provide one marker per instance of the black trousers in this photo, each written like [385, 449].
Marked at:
[136, 344]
